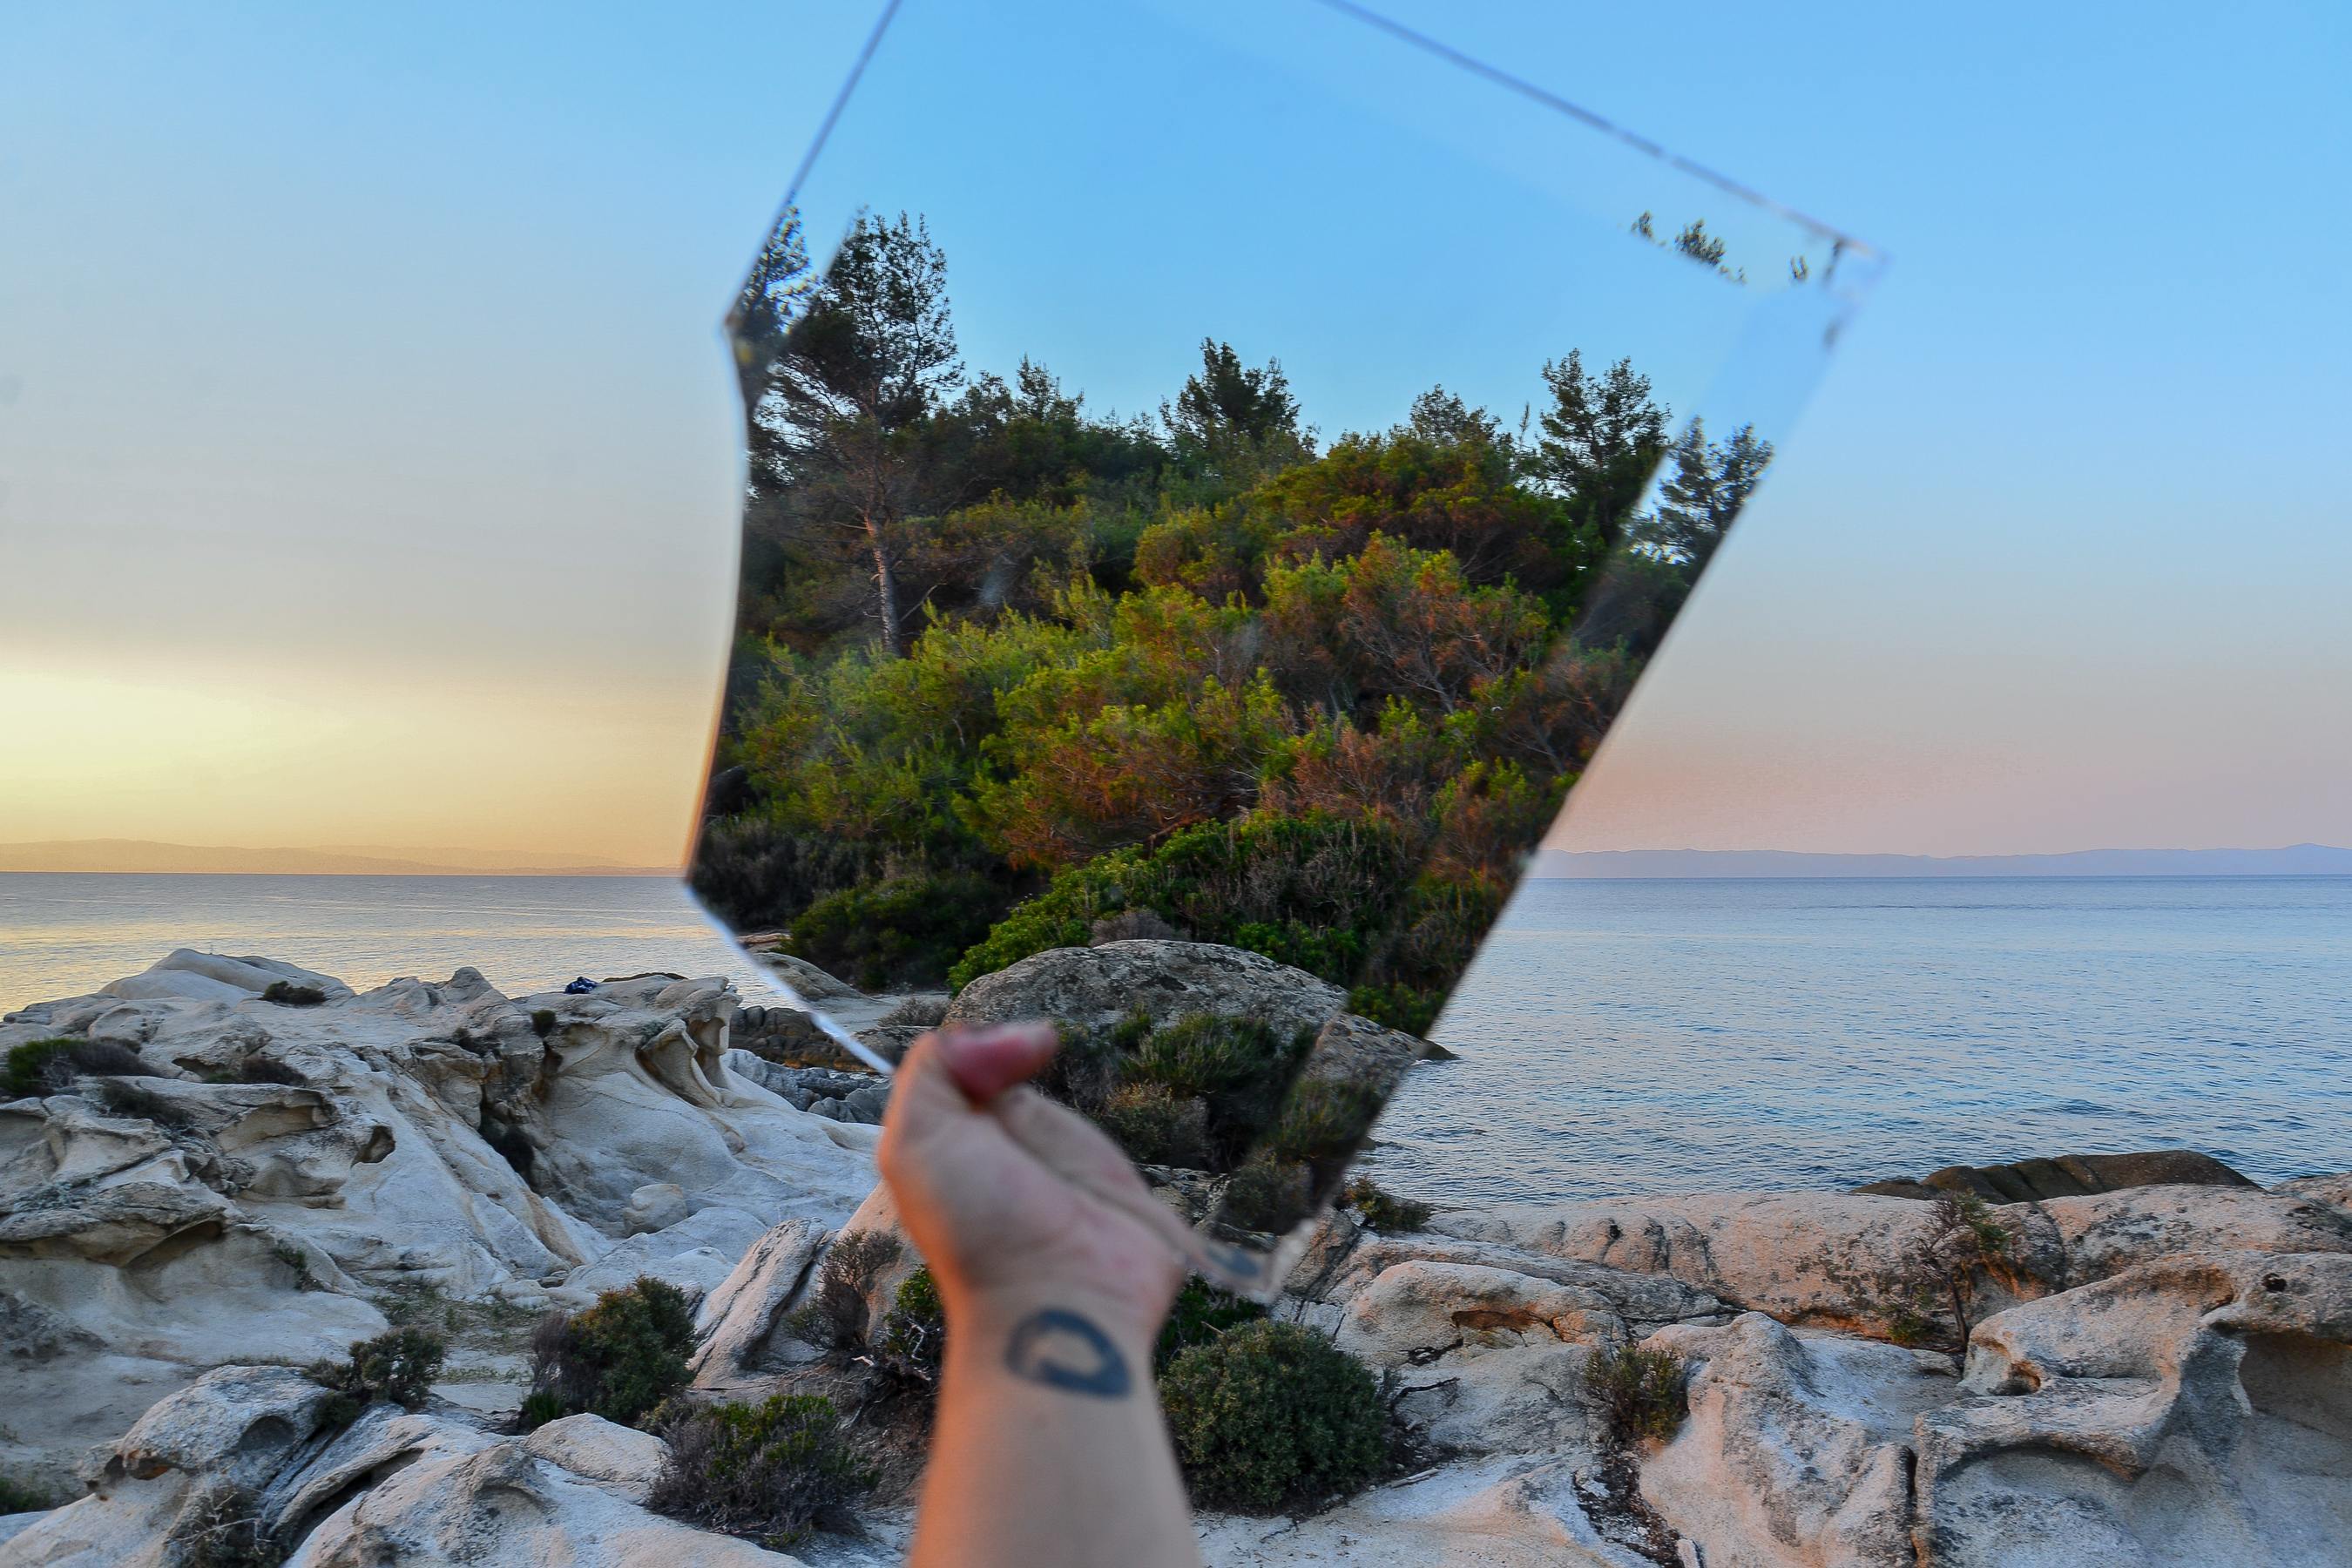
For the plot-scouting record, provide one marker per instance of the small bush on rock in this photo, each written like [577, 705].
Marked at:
[834, 1317]
[266, 1069]
[398, 1364]
[1271, 1414]
[287, 994]
[298, 1262]
[619, 1359]
[1640, 1391]
[1133, 926]
[914, 1335]
[1326, 1120]
[1383, 1210]
[1156, 1126]
[124, 1097]
[46, 1067]
[1266, 1195]
[917, 1013]
[542, 1022]
[767, 1472]
[1200, 1053]
[15, 1497]
[223, 1529]
[1202, 1314]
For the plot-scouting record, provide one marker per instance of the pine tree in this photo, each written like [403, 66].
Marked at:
[1711, 482]
[1601, 438]
[861, 373]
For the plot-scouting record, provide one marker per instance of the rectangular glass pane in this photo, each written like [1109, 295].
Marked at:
[1202, 515]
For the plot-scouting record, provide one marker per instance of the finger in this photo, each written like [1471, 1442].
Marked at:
[988, 1061]
[927, 1108]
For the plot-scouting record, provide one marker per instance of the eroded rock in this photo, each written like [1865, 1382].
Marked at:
[426, 1138]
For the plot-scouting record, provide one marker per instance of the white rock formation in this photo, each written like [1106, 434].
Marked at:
[2160, 1375]
[243, 1452]
[433, 1136]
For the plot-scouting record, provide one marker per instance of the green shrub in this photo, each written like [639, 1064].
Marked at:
[1202, 1054]
[903, 930]
[15, 1497]
[618, 1359]
[124, 1097]
[1326, 1120]
[296, 1260]
[287, 994]
[1156, 1127]
[538, 1409]
[266, 1069]
[1640, 1392]
[1383, 1210]
[1412, 1009]
[1202, 1312]
[1272, 1414]
[914, 1333]
[767, 1472]
[1267, 1195]
[1315, 892]
[46, 1067]
[543, 1021]
[398, 1364]
[1198, 1090]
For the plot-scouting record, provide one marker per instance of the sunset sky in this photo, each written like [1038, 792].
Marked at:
[368, 452]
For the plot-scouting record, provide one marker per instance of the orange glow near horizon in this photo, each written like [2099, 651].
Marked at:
[312, 759]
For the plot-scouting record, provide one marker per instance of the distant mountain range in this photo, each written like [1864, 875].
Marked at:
[131, 855]
[2296, 860]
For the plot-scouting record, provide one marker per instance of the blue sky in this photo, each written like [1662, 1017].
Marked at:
[368, 450]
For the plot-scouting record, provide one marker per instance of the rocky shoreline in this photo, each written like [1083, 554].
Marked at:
[202, 1191]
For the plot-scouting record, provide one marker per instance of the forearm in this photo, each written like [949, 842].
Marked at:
[1049, 1449]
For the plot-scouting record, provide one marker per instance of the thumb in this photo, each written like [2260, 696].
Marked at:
[989, 1059]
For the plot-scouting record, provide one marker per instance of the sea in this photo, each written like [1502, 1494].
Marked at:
[1613, 1038]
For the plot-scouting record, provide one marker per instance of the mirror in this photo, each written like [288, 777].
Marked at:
[1200, 518]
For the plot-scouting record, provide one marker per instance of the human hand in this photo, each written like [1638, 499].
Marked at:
[1026, 1214]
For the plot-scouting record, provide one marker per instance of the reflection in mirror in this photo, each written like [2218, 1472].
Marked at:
[1183, 625]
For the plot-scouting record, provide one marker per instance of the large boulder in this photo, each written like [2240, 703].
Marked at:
[1418, 1312]
[190, 975]
[1092, 989]
[738, 1326]
[2066, 1176]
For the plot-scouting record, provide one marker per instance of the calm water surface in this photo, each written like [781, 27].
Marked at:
[1645, 1036]
[1616, 1038]
[65, 935]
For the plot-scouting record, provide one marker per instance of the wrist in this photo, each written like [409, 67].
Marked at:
[1074, 1340]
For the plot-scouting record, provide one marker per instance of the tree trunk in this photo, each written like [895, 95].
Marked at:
[885, 590]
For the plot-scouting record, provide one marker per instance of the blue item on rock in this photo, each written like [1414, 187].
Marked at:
[580, 987]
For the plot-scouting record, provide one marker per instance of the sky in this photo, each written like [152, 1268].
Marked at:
[368, 450]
